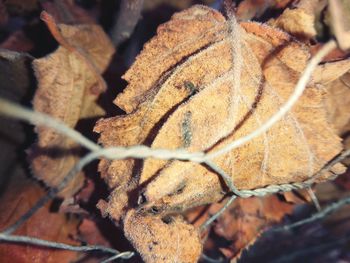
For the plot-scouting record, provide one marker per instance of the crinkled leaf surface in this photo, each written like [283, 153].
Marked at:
[182, 94]
[67, 90]
[162, 240]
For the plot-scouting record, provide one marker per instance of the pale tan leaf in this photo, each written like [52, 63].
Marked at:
[338, 103]
[158, 239]
[200, 84]
[68, 86]
[190, 107]
[300, 21]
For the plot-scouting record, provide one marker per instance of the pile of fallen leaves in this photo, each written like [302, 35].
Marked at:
[208, 76]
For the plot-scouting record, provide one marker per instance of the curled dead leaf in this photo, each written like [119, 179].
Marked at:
[300, 21]
[165, 113]
[201, 83]
[68, 86]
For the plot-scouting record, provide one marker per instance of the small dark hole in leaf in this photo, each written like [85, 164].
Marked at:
[55, 205]
[178, 190]
[154, 210]
[167, 220]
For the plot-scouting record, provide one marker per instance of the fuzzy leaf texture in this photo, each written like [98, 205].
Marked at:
[184, 92]
[68, 87]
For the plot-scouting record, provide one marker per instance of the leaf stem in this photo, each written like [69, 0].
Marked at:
[323, 213]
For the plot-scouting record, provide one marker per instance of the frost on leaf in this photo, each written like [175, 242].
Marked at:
[202, 83]
[158, 239]
[69, 83]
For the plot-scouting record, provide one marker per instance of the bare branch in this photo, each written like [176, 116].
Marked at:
[320, 215]
[127, 18]
[14, 110]
[57, 245]
[52, 192]
[218, 214]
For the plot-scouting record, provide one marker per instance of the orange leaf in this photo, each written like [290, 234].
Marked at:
[20, 196]
[246, 219]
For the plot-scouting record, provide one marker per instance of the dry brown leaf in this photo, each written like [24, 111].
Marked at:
[90, 233]
[162, 240]
[340, 18]
[338, 103]
[68, 86]
[20, 195]
[181, 94]
[336, 78]
[163, 53]
[297, 197]
[301, 20]
[179, 86]
[16, 80]
[248, 9]
[244, 221]
[67, 12]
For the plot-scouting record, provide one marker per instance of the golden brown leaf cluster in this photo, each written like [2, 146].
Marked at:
[200, 84]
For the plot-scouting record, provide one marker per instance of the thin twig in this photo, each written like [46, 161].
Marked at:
[314, 198]
[323, 213]
[109, 153]
[124, 255]
[329, 165]
[14, 110]
[340, 22]
[127, 18]
[212, 260]
[140, 151]
[300, 255]
[44, 243]
[52, 192]
[228, 180]
[217, 214]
